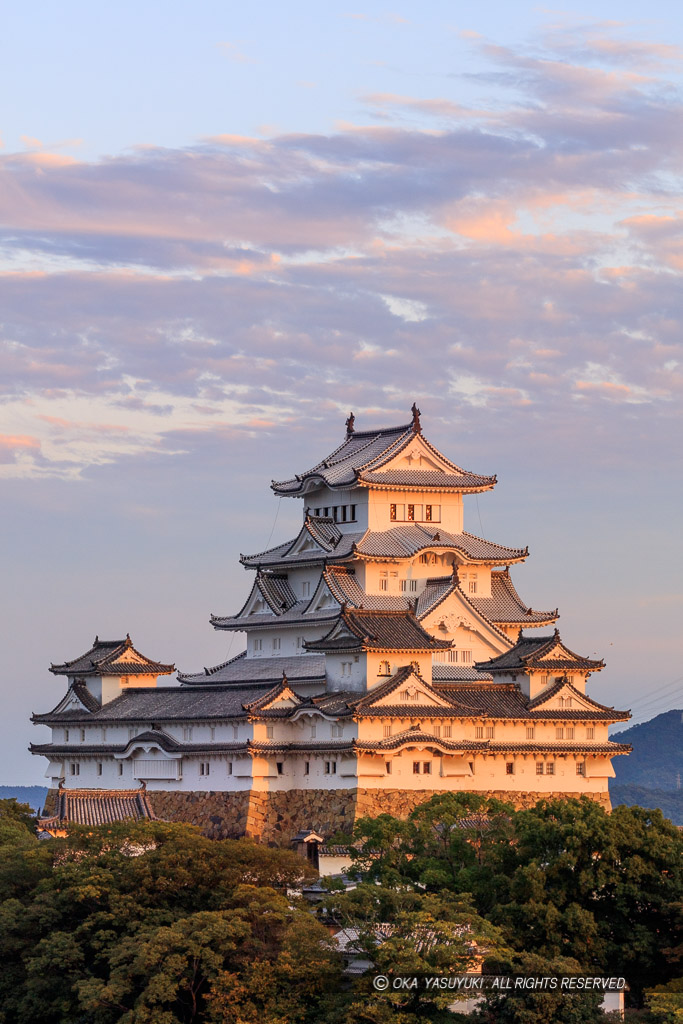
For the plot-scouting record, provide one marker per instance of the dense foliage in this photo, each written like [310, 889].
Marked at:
[154, 924]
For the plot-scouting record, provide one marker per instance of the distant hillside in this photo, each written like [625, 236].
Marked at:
[669, 803]
[657, 756]
[34, 796]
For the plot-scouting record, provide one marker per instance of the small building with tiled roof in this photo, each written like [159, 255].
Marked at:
[389, 656]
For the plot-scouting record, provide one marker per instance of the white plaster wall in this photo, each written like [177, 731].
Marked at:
[326, 498]
[451, 508]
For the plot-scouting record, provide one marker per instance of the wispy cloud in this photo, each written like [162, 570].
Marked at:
[521, 258]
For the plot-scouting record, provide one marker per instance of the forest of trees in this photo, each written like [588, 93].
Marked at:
[152, 923]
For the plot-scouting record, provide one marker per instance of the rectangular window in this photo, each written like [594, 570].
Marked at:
[411, 513]
[386, 730]
[307, 767]
[479, 732]
[337, 730]
[235, 732]
[99, 767]
[132, 732]
[550, 768]
[447, 731]
[187, 732]
[269, 732]
[489, 733]
[544, 680]
[276, 643]
[580, 767]
[392, 513]
[306, 588]
[437, 730]
[66, 735]
[424, 559]
[280, 767]
[204, 768]
[539, 767]
[212, 732]
[74, 768]
[473, 586]
[258, 644]
[120, 768]
[300, 642]
[570, 733]
[413, 586]
[330, 767]
[103, 734]
[383, 581]
[559, 734]
[590, 733]
[82, 735]
[466, 657]
[426, 767]
[530, 732]
[428, 513]
[228, 768]
[352, 517]
[509, 768]
[416, 767]
[387, 765]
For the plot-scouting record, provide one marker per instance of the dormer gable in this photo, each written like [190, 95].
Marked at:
[323, 599]
[281, 698]
[77, 699]
[406, 687]
[563, 697]
[417, 455]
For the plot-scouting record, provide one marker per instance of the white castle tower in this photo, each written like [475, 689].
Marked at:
[389, 657]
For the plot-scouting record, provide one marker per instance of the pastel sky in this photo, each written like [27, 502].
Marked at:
[222, 230]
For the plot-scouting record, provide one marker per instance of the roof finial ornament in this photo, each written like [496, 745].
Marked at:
[349, 423]
[417, 429]
[285, 681]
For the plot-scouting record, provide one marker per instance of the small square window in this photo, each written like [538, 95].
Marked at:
[269, 732]
[426, 767]
[276, 643]
[559, 734]
[280, 767]
[416, 767]
[580, 767]
[550, 768]
[590, 733]
[479, 732]
[570, 733]
[539, 767]
[447, 731]
[74, 768]
[509, 768]
[490, 731]
[437, 730]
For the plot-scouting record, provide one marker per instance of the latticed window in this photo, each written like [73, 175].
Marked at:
[384, 668]
[490, 732]
[448, 731]
[570, 733]
[550, 768]
[479, 732]
[509, 768]
[590, 733]
[559, 734]
[580, 767]
[539, 767]
[530, 732]
[386, 730]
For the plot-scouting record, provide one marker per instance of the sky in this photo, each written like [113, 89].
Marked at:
[223, 229]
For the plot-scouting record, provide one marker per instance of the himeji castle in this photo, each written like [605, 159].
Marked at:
[388, 657]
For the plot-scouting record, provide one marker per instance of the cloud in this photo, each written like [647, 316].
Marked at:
[521, 258]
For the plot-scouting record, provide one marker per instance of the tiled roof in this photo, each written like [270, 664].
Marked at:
[408, 540]
[243, 670]
[105, 659]
[562, 684]
[296, 615]
[261, 702]
[343, 585]
[490, 699]
[505, 605]
[418, 735]
[371, 630]
[530, 653]
[446, 671]
[99, 807]
[282, 555]
[173, 703]
[426, 478]
[436, 589]
[362, 456]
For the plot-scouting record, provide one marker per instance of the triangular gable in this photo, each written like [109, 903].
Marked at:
[557, 652]
[563, 696]
[255, 604]
[72, 701]
[416, 455]
[279, 697]
[307, 541]
[454, 611]
[405, 687]
[323, 599]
